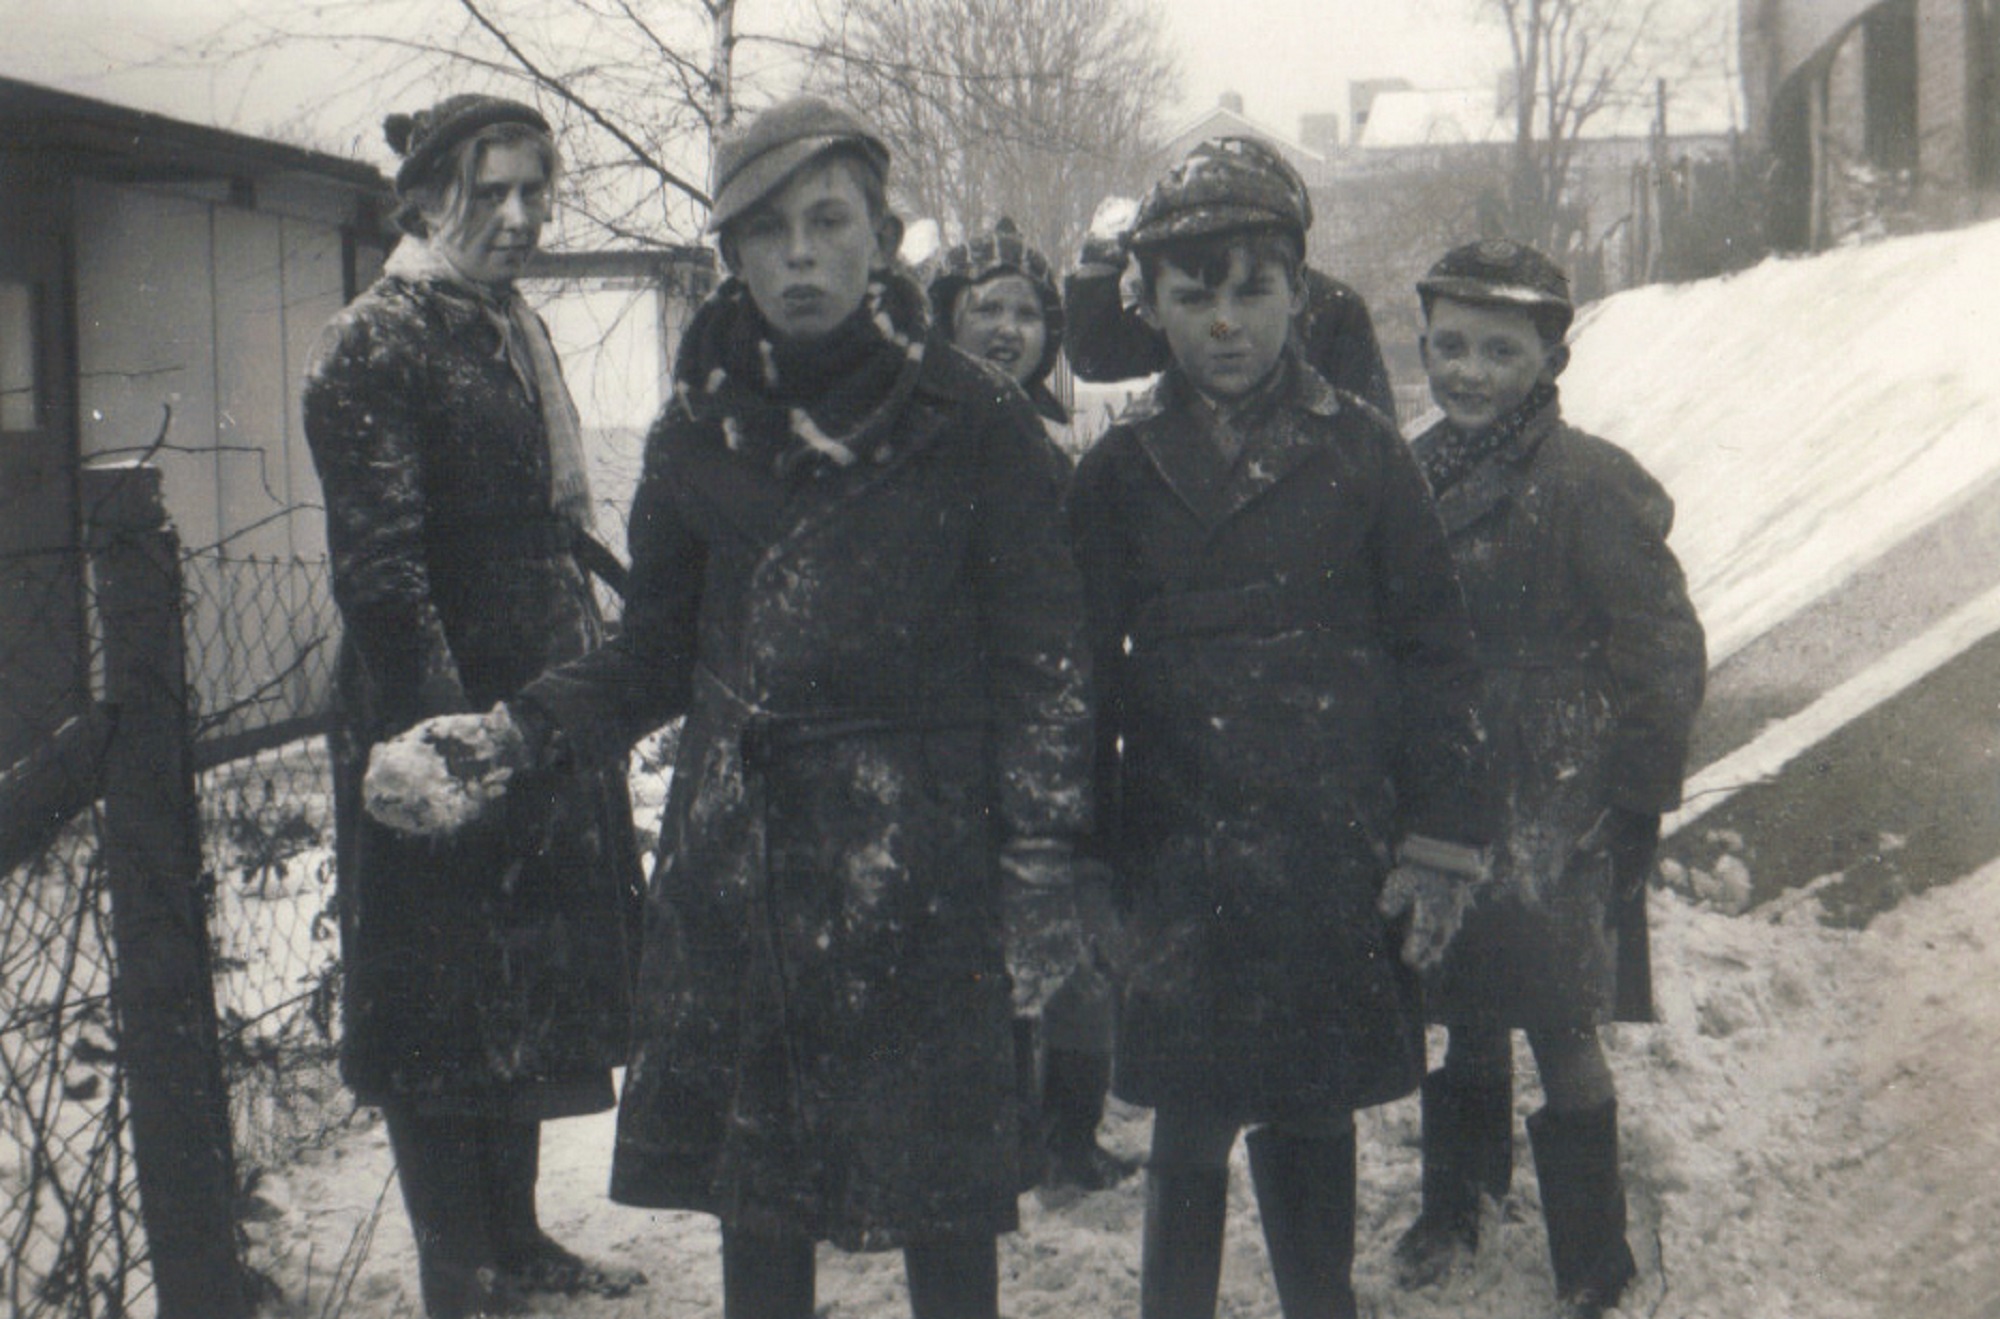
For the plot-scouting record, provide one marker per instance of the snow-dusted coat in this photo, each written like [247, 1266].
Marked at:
[882, 668]
[1594, 665]
[1283, 654]
[1106, 340]
[493, 966]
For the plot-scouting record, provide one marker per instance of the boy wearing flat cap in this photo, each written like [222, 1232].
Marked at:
[1286, 724]
[1594, 664]
[849, 571]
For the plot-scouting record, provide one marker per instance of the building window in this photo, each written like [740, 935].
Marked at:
[1889, 85]
[19, 406]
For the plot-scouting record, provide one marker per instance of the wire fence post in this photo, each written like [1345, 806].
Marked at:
[162, 988]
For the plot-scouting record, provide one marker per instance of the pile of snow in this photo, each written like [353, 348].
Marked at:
[1806, 414]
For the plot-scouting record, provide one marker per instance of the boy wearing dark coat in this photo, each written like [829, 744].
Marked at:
[849, 571]
[1109, 340]
[1286, 713]
[1594, 666]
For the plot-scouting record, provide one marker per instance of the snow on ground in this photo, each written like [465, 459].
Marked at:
[1809, 1132]
[1807, 414]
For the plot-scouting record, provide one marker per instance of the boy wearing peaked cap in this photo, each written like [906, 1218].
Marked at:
[1594, 666]
[1286, 731]
[849, 572]
[1109, 340]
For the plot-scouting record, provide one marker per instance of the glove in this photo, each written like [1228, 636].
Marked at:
[1038, 906]
[1104, 241]
[1632, 838]
[444, 773]
[1105, 938]
[1433, 883]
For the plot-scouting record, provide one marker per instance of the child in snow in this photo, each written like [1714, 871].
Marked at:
[849, 570]
[1109, 340]
[997, 297]
[1286, 720]
[1594, 669]
[486, 983]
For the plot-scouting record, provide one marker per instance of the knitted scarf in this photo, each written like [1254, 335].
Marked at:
[525, 347]
[827, 403]
[1455, 452]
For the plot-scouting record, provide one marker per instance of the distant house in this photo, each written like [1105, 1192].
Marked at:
[1226, 119]
[1880, 115]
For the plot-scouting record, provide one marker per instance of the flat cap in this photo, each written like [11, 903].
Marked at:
[753, 163]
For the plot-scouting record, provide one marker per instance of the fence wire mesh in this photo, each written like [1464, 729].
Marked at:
[70, 1239]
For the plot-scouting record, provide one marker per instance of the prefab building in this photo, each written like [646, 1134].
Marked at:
[161, 284]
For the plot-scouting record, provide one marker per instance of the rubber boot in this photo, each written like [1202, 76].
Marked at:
[1583, 1203]
[1305, 1195]
[1468, 1151]
[954, 1279]
[766, 1277]
[443, 1179]
[1074, 1084]
[1180, 1253]
[529, 1259]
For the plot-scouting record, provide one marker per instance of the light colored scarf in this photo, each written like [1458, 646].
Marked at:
[524, 342]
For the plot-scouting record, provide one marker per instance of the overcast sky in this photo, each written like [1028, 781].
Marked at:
[1285, 57]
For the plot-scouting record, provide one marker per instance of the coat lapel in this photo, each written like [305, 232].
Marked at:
[1189, 463]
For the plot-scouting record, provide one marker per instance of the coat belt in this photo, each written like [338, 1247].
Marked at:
[1259, 610]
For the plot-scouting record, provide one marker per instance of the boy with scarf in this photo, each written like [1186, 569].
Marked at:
[1594, 665]
[1287, 731]
[849, 571]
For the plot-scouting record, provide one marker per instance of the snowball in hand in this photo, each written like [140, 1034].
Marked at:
[442, 774]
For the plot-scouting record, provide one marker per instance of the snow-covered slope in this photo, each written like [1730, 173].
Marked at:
[1807, 414]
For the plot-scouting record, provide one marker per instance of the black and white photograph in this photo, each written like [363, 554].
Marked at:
[1063, 659]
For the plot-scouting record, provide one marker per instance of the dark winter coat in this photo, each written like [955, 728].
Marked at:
[1594, 666]
[491, 967]
[1286, 689]
[881, 666]
[1107, 340]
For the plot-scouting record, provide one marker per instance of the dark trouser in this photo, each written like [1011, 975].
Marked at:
[469, 1188]
[1583, 1203]
[1305, 1182]
[772, 1277]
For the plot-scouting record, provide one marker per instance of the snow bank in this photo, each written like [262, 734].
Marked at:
[1807, 414]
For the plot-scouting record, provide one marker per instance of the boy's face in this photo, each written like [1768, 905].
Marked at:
[806, 251]
[1227, 338]
[1001, 322]
[1482, 360]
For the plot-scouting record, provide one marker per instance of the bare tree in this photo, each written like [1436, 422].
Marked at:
[1574, 61]
[1030, 108]
[636, 88]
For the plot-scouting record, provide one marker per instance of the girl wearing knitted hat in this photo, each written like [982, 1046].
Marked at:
[485, 981]
[997, 298]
